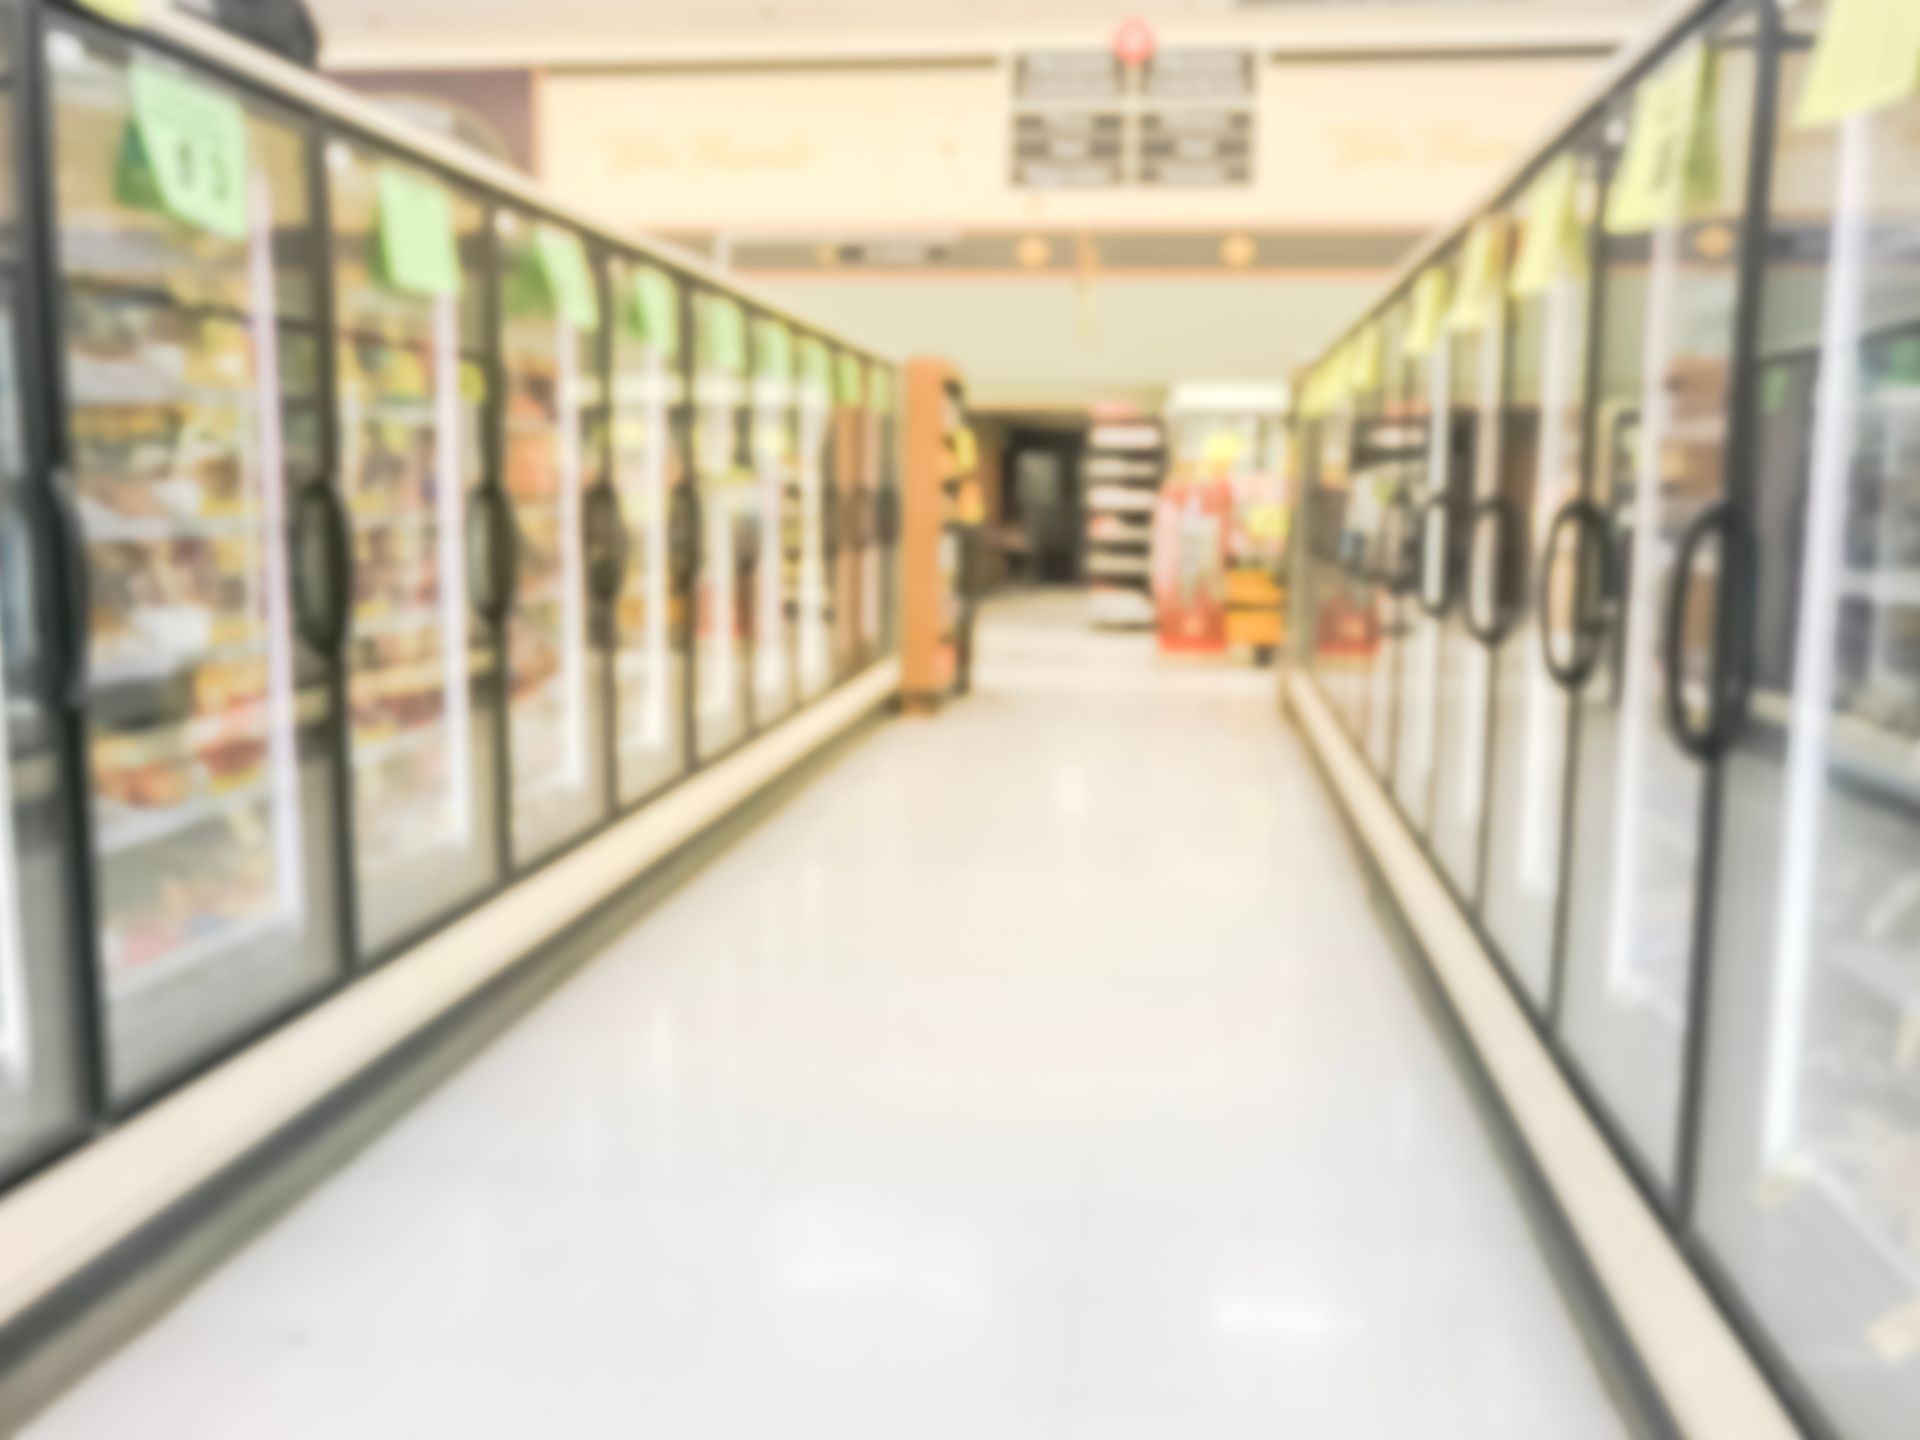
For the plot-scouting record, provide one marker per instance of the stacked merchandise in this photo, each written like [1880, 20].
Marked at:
[1126, 460]
[1230, 435]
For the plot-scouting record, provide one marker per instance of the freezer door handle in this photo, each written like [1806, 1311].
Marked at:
[830, 519]
[1400, 568]
[887, 516]
[1436, 605]
[607, 541]
[1594, 589]
[493, 554]
[322, 567]
[683, 534]
[1732, 670]
[73, 604]
[1494, 629]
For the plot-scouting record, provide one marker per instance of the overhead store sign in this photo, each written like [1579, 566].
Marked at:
[1089, 119]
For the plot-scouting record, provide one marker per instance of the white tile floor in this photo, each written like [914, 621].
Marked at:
[1040, 1072]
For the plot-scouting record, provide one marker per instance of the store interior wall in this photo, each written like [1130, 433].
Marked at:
[866, 173]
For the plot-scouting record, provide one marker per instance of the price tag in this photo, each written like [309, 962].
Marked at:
[850, 384]
[723, 336]
[1554, 241]
[773, 350]
[653, 310]
[562, 258]
[417, 253]
[185, 152]
[1867, 57]
[1429, 311]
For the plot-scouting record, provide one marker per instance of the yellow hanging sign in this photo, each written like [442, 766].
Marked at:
[1671, 167]
[1363, 358]
[1429, 311]
[1554, 242]
[1867, 57]
[1480, 289]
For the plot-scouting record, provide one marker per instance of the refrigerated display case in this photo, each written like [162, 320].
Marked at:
[43, 1090]
[191, 406]
[884, 399]
[1472, 357]
[849, 479]
[1667, 333]
[775, 586]
[1686, 544]
[813, 585]
[650, 419]
[1809, 1187]
[1538, 489]
[346, 559]
[421, 668]
[1432, 583]
[723, 464]
[552, 417]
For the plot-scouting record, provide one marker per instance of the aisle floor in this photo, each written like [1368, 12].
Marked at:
[1040, 1071]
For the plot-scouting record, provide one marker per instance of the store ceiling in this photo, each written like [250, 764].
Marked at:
[429, 32]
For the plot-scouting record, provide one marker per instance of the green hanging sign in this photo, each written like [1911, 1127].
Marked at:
[849, 384]
[880, 389]
[414, 247]
[1670, 169]
[772, 350]
[653, 309]
[561, 257]
[723, 336]
[1867, 57]
[816, 368]
[184, 152]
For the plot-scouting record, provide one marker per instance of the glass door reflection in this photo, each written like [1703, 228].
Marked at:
[192, 403]
[410, 370]
[553, 414]
[1670, 270]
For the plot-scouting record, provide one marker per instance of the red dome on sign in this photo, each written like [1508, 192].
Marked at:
[1133, 41]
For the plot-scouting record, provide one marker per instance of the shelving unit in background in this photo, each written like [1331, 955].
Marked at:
[938, 508]
[1126, 461]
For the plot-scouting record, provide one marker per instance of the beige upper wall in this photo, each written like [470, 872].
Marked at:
[382, 33]
[1389, 144]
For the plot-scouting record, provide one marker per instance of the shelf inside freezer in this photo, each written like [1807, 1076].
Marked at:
[123, 828]
[212, 943]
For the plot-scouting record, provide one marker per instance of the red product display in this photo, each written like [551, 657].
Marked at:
[1191, 523]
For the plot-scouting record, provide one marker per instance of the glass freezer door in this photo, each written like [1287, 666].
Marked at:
[186, 291]
[422, 693]
[1474, 356]
[1809, 1163]
[554, 415]
[813, 647]
[774, 463]
[850, 447]
[723, 462]
[649, 399]
[41, 1091]
[1670, 269]
[1539, 476]
[881, 394]
[1431, 594]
